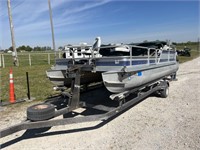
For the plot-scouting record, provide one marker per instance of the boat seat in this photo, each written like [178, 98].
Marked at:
[111, 52]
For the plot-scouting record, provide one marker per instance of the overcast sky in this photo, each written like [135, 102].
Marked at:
[78, 21]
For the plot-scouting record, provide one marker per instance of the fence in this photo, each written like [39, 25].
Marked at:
[28, 59]
[34, 63]
[40, 86]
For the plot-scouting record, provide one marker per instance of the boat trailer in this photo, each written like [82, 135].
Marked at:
[40, 115]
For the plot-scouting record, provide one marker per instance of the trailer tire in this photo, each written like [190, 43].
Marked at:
[164, 92]
[40, 112]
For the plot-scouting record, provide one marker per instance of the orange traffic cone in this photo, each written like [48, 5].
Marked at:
[12, 91]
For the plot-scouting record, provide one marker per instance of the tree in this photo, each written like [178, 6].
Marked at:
[48, 48]
[11, 48]
[37, 48]
[28, 48]
[60, 48]
[174, 43]
[23, 47]
[145, 41]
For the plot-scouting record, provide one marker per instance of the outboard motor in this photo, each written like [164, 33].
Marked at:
[97, 44]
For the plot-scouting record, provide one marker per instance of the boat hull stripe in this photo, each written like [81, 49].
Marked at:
[127, 63]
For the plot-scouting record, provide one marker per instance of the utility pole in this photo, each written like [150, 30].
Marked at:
[52, 30]
[15, 59]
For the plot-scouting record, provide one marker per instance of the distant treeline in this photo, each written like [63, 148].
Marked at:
[189, 43]
[29, 48]
[48, 48]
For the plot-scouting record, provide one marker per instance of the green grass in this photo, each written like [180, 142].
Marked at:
[194, 54]
[40, 86]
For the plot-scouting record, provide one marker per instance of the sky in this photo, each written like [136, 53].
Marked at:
[114, 21]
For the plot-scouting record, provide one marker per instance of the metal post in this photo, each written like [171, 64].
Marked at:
[75, 90]
[148, 55]
[0, 60]
[156, 59]
[92, 53]
[28, 89]
[52, 30]
[168, 54]
[3, 62]
[29, 57]
[130, 56]
[49, 59]
[15, 59]
[73, 58]
[0, 86]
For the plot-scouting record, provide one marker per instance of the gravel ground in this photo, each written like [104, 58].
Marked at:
[155, 123]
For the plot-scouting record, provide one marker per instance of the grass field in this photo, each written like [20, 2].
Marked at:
[40, 86]
[194, 54]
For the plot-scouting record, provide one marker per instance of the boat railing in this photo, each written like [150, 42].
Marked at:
[151, 55]
[147, 53]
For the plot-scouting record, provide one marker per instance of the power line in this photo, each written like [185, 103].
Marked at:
[13, 8]
[18, 4]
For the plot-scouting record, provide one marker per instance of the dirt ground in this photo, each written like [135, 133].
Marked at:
[153, 124]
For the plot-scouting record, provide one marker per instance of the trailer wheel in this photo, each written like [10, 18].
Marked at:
[164, 92]
[40, 112]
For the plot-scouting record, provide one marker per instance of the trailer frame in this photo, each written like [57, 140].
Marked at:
[140, 92]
